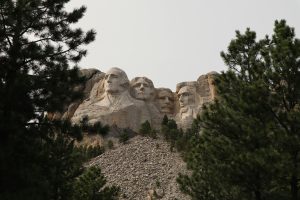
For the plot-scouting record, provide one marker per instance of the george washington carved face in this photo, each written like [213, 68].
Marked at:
[116, 81]
[142, 88]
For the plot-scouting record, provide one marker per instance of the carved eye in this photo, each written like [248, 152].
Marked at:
[145, 85]
[184, 94]
[107, 76]
[114, 76]
[136, 85]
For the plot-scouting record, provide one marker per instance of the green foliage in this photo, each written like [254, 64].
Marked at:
[84, 123]
[165, 120]
[153, 134]
[39, 50]
[96, 128]
[62, 158]
[87, 151]
[110, 144]
[176, 137]
[124, 137]
[146, 130]
[157, 183]
[249, 144]
[167, 125]
[90, 186]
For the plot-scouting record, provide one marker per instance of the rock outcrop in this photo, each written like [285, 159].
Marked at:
[110, 98]
[143, 169]
[206, 88]
[111, 103]
[92, 77]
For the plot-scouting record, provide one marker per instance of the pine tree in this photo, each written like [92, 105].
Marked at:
[249, 143]
[165, 120]
[145, 128]
[39, 50]
[90, 186]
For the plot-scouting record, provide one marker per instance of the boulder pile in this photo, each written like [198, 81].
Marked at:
[144, 168]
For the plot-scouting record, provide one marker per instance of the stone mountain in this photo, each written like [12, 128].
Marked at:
[110, 98]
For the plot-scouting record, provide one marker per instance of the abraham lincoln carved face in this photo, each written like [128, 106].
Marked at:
[186, 96]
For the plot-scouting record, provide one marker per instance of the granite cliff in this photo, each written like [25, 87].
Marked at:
[114, 100]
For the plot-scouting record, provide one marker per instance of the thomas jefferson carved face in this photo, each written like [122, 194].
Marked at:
[116, 81]
[165, 100]
[186, 96]
[142, 88]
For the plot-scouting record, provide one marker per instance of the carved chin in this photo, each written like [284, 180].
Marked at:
[141, 96]
[183, 109]
[182, 105]
[166, 110]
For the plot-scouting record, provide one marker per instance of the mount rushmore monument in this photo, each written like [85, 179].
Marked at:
[110, 98]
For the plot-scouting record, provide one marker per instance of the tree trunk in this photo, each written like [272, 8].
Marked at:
[294, 179]
[257, 195]
[294, 188]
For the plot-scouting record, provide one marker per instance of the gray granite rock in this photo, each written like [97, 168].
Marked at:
[114, 100]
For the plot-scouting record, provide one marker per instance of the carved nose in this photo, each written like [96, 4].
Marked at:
[180, 98]
[109, 79]
[142, 87]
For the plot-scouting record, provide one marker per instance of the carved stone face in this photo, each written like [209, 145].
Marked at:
[142, 88]
[186, 97]
[165, 100]
[115, 79]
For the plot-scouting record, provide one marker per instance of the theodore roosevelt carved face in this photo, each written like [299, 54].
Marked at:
[142, 88]
[116, 81]
[165, 99]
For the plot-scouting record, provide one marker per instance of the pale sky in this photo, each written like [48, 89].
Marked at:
[170, 41]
